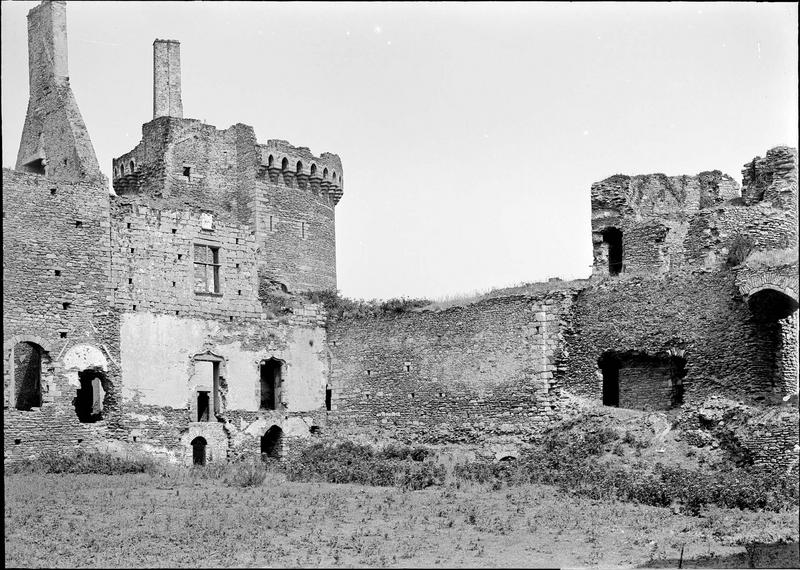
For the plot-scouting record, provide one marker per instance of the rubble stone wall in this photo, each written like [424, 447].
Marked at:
[476, 374]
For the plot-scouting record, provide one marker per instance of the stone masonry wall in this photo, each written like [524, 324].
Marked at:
[701, 316]
[55, 275]
[479, 374]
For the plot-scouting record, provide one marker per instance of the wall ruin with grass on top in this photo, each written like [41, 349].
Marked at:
[478, 374]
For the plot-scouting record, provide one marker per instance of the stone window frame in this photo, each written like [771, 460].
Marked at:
[219, 370]
[218, 280]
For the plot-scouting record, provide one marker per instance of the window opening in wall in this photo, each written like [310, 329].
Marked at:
[27, 361]
[65, 305]
[609, 365]
[270, 224]
[613, 237]
[17, 441]
[78, 223]
[203, 406]
[199, 451]
[299, 167]
[128, 225]
[35, 166]
[270, 161]
[132, 167]
[271, 372]
[173, 284]
[52, 191]
[180, 256]
[285, 164]
[206, 269]
[89, 398]
[58, 273]
[132, 250]
[407, 366]
[271, 443]
[62, 334]
[328, 398]
[174, 230]
[677, 366]
[130, 281]
[187, 171]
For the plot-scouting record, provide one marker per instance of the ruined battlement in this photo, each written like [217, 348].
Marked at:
[660, 195]
[772, 178]
[655, 223]
[297, 167]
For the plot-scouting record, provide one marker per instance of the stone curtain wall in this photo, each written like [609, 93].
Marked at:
[479, 374]
[726, 349]
[54, 226]
[296, 236]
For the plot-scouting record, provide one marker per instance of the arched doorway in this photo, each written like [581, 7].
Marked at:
[199, 451]
[272, 443]
[27, 365]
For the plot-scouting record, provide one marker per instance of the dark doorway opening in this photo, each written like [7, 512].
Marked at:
[199, 451]
[202, 407]
[270, 383]
[677, 366]
[27, 375]
[89, 398]
[769, 305]
[613, 237]
[271, 443]
[610, 366]
[34, 166]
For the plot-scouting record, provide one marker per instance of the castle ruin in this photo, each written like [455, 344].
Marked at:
[169, 316]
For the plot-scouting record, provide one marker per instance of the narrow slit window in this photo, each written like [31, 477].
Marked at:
[206, 269]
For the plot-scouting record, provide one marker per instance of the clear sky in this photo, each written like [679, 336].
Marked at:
[470, 133]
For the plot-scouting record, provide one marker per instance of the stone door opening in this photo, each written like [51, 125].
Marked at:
[613, 238]
[199, 451]
[640, 381]
[203, 405]
[90, 395]
[27, 363]
[272, 443]
[271, 372]
[609, 365]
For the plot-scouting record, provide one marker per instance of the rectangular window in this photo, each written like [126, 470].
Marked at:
[206, 269]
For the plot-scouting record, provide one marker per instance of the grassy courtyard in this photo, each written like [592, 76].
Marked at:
[157, 520]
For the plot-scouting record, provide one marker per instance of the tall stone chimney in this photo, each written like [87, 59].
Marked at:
[167, 79]
[55, 141]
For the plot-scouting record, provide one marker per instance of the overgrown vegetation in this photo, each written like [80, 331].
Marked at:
[772, 258]
[83, 462]
[344, 307]
[347, 462]
[740, 247]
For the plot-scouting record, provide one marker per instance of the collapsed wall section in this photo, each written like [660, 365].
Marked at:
[485, 373]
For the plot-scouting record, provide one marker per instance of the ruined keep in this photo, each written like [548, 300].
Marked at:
[168, 316]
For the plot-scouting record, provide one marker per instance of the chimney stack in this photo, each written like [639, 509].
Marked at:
[167, 79]
[55, 142]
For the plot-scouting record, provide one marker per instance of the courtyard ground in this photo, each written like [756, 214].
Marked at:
[155, 521]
